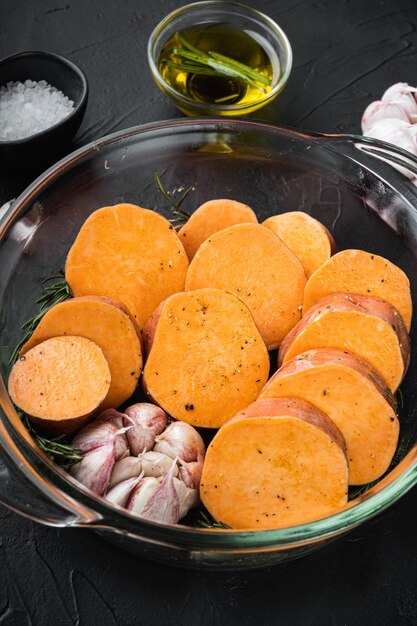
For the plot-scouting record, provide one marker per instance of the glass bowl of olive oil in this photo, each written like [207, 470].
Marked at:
[219, 58]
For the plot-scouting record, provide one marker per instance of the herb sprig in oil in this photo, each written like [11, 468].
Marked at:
[219, 64]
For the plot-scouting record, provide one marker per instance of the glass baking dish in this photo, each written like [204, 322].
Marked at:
[345, 181]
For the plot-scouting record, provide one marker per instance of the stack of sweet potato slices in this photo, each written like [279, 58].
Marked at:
[206, 304]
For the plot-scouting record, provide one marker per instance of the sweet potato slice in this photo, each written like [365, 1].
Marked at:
[354, 396]
[211, 217]
[251, 262]
[107, 322]
[60, 383]
[130, 254]
[357, 271]
[369, 327]
[278, 463]
[310, 240]
[206, 357]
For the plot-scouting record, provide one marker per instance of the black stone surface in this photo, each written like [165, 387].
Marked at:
[346, 53]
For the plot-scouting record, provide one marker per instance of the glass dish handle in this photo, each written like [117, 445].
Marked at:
[359, 147]
[25, 492]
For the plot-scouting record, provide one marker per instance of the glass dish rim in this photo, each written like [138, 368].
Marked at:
[229, 108]
[372, 502]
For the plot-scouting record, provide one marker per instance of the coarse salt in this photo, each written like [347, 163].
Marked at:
[30, 107]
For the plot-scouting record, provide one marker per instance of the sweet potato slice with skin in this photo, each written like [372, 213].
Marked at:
[251, 262]
[60, 383]
[211, 217]
[310, 240]
[109, 324]
[355, 398]
[130, 254]
[278, 463]
[369, 327]
[206, 357]
[357, 271]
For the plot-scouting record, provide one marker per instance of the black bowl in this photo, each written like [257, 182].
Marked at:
[46, 146]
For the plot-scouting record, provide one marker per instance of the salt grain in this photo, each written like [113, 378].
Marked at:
[30, 107]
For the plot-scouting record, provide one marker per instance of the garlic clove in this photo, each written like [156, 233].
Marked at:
[129, 467]
[146, 421]
[121, 492]
[189, 498]
[403, 95]
[112, 416]
[398, 133]
[181, 440]
[156, 464]
[141, 494]
[380, 110]
[397, 89]
[94, 435]
[164, 504]
[104, 429]
[116, 418]
[190, 473]
[95, 468]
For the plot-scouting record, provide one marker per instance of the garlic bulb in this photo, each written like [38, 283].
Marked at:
[146, 421]
[180, 440]
[95, 468]
[139, 461]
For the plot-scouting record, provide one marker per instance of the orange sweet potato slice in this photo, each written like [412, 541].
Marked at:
[211, 217]
[278, 463]
[357, 271]
[310, 240]
[369, 327]
[130, 254]
[108, 323]
[60, 383]
[206, 357]
[251, 262]
[356, 399]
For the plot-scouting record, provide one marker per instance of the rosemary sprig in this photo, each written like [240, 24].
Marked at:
[400, 398]
[191, 68]
[219, 66]
[358, 491]
[240, 67]
[179, 216]
[60, 451]
[205, 520]
[54, 294]
[212, 63]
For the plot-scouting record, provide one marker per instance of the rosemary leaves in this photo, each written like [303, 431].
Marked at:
[54, 294]
[219, 64]
[179, 216]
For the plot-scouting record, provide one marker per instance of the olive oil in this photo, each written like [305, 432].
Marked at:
[228, 83]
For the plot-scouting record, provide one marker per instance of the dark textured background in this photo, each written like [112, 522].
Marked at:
[345, 54]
